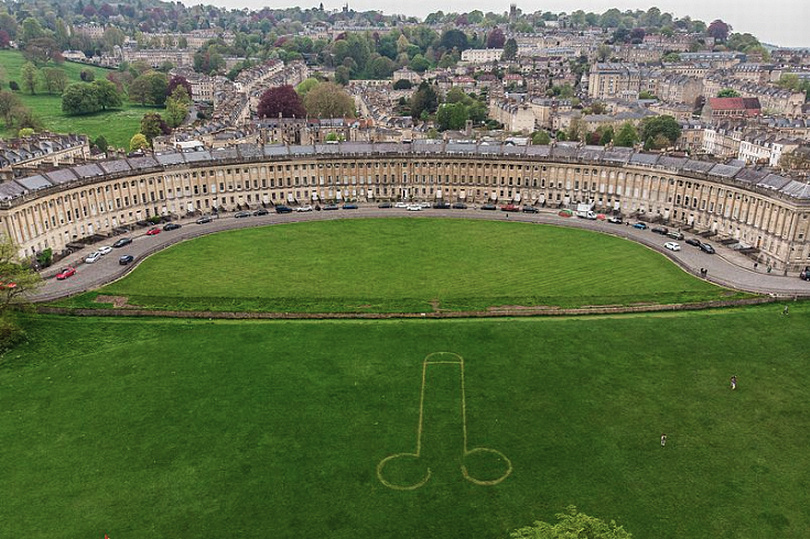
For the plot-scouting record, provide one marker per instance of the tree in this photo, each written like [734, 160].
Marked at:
[718, 30]
[419, 63]
[16, 280]
[87, 75]
[328, 100]
[306, 86]
[9, 103]
[80, 98]
[496, 39]
[637, 35]
[55, 80]
[283, 101]
[25, 132]
[452, 116]
[382, 67]
[159, 85]
[29, 75]
[606, 135]
[138, 142]
[424, 99]
[664, 126]
[176, 81]
[152, 125]
[342, 75]
[572, 525]
[454, 39]
[101, 143]
[627, 136]
[107, 94]
[42, 50]
[541, 138]
[728, 92]
[177, 107]
[403, 84]
[510, 49]
[140, 91]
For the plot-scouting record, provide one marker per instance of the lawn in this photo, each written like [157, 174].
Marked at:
[117, 126]
[176, 428]
[404, 265]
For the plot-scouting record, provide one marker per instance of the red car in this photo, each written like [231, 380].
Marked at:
[65, 273]
[153, 231]
[510, 207]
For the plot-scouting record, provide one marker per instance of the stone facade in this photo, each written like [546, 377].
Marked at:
[763, 210]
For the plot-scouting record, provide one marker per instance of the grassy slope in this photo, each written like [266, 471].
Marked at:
[167, 428]
[403, 264]
[117, 126]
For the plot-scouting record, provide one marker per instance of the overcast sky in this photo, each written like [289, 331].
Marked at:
[779, 22]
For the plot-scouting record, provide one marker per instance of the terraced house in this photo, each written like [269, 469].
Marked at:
[763, 211]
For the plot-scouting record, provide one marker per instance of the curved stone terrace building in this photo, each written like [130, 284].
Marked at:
[758, 209]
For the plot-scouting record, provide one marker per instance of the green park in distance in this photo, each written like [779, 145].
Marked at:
[117, 126]
[404, 265]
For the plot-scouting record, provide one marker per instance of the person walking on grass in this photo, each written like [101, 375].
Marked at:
[785, 310]
[663, 440]
[734, 382]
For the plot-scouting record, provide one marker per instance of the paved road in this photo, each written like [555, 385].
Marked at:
[728, 267]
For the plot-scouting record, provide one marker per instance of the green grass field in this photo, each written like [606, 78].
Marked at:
[175, 428]
[117, 126]
[404, 265]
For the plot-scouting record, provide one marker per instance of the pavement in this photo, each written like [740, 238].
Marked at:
[727, 267]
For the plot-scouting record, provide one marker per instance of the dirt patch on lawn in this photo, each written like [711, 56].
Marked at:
[118, 302]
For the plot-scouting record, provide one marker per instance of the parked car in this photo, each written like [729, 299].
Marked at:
[804, 275]
[425, 205]
[66, 272]
[640, 226]
[330, 207]
[241, 214]
[675, 235]
[202, 220]
[414, 207]
[615, 219]
[706, 248]
[660, 230]
[92, 257]
[459, 206]
[530, 209]
[441, 205]
[154, 231]
[383, 205]
[693, 241]
[303, 208]
[401, 205]
[260, 212]
[122, 242]
[105, 250]
[510, 207]
[126, 259]
[171, 226]
[350, 206]
[489, 207]
[673, 246]
[283, 209]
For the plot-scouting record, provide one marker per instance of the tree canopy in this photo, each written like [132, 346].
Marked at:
[283, 101]
[329, 100]
[572, 525]
[16, 280]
